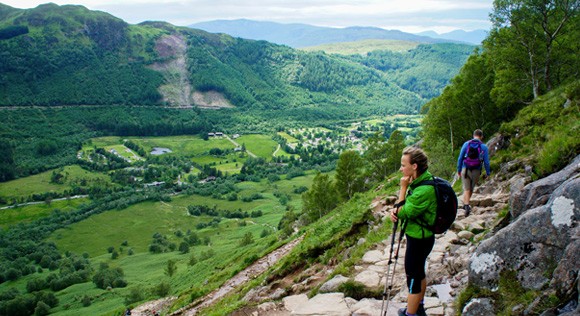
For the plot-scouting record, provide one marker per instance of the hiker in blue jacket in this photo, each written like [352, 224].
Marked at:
[473, 155]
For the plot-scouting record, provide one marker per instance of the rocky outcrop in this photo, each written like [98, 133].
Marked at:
[538, 192]
[545, 235]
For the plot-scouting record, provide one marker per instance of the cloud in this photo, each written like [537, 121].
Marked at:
[451, 14]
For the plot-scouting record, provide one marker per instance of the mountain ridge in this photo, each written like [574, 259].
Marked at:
[304, 35]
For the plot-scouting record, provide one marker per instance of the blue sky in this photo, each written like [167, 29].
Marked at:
[407, 15]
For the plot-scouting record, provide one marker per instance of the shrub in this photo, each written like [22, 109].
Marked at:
[162, 289]
[86, 301]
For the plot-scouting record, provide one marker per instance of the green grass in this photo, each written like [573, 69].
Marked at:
[186, 144]
[29, 213]
[323, 240]
[40, 183]
[260, 145]
[231, 163]
[544, 132]
[288, 137]
[136, 225]
[364, 46]
[124, 152]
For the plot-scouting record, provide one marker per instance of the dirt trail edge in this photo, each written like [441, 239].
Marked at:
[242, 277]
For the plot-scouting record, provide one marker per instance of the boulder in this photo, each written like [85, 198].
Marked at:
[293, 302]
[496, 143]
[532, 244]
[369, 278]
[566, 273]
[373, 256]
[331, 304]
[538, 192]
[333, 284]
[478, 307]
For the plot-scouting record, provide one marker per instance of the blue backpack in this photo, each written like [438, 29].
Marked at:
[473, 156]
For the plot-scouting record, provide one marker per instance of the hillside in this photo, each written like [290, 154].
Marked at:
[304, 35]
[68, 55]
[363, 47]
[82, 68]
[340, 264]
[473, 37]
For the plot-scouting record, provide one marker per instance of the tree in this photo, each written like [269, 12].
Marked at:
[41, 309]
[171, 268]
[395, 148]
[248, 239]
[320, 199]
[535, 27]
[184, 247]
[375, 157]
[349, 174]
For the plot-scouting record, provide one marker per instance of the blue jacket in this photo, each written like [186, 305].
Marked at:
[485, 154]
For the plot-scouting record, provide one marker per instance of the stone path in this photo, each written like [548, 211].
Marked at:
[447, 272]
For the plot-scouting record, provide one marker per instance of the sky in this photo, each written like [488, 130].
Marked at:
[412, 16]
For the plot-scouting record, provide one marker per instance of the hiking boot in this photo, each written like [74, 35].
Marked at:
[467, 209]
[420, 311]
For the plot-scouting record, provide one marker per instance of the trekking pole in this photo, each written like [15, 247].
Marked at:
[385, 295]
[401, 234]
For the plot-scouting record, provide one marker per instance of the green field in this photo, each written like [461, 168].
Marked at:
[135, 225]
[40, 183]
[289, 138]
[260, 145]
[364, 46]
[125, 152]
[29, 213]
[184, 145]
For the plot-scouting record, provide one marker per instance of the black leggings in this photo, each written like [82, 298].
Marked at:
[415, 258]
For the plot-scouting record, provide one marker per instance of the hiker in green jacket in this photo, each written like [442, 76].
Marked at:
[420, 206]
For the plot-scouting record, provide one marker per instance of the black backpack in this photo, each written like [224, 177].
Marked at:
[446, 205]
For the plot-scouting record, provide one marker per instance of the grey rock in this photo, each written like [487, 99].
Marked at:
[465, 234]
[479, 307]
[333, 284]
[373, 256]
[369, 278]
[293, 302]
[331, 304]
[537, 192]
[496, 143]
[532, 244]
[278, 294]
[567, 271]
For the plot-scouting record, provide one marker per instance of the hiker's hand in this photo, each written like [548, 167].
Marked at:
[394, 217]
[405, 181]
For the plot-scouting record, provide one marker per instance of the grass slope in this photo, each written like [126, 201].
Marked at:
[363, 47]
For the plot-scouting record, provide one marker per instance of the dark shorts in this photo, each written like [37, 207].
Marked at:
[415, 258]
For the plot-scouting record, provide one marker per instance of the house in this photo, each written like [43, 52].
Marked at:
[219, 134]
[210, 134]
[154, 184]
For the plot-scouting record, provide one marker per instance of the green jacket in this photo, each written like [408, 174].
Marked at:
[420, 206]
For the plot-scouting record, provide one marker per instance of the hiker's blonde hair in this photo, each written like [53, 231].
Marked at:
[417, 156]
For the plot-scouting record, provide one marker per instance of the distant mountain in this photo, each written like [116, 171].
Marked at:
[473, 37]
[304, 35]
